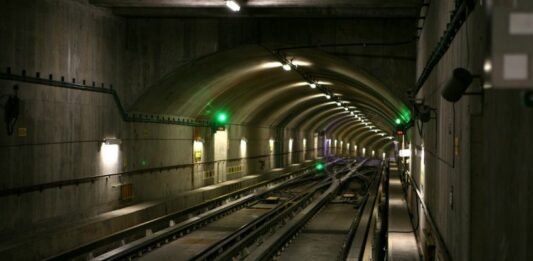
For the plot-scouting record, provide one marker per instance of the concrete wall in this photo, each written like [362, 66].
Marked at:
[65, 128]
[158, 46]
[474, 178]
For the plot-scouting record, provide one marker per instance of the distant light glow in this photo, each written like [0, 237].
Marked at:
[234, 6]
[287, 67]
[338, 104]
[243, 147]
[198, 150]
[290, 144]
[345, 109]
[312, 85]
[328, 96]
[405, 153]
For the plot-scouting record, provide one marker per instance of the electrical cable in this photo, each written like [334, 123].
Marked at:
[453, 136]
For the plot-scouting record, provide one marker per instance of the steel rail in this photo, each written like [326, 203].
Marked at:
[214, 251]
[167, 219]
[359, 235]
[171, 232]
[270, 247]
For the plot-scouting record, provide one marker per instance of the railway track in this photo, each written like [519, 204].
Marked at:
[332, 228]
[142, 239]
[244, 243]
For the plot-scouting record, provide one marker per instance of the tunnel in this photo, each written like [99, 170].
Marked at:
[266, 130]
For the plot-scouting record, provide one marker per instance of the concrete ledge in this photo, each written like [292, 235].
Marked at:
[56, 240]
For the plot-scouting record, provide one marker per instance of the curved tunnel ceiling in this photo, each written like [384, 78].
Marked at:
[249, 84]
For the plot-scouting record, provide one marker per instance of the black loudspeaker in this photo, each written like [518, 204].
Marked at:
[527, 99]
[456, 85]
[424, 113]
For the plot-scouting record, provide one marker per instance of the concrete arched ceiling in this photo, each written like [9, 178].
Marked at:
[249, 84]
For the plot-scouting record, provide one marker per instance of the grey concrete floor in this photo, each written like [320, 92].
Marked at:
[322, 238]
[402, 241]
[199, 240]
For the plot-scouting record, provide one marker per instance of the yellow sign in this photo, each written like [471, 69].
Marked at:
[22, 132]
[197, 155]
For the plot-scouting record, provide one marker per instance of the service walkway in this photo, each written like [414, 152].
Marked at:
[402, 241]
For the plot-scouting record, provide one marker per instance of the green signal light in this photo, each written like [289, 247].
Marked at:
[319, 166]
[398, 121]
[221, 117]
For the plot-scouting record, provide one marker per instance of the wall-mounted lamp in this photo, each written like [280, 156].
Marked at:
[112, 141]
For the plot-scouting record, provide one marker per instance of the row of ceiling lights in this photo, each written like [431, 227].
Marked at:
[288, 65]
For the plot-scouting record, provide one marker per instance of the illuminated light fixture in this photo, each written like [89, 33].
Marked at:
[287, 67]
[351, 113]
[319, 166]
[112, 141]
[338, 104]
[487, 67]
[345, 108]
[398, 121]
[312, 85]
[405, 153]
[382, 134]
[328, 96]
[233, 5]
[221, 117]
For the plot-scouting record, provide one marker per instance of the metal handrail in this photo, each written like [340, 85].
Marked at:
[420, 199]
[92, 179]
